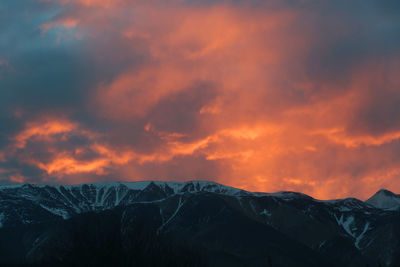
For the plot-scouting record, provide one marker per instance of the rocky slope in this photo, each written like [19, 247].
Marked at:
[232, 226]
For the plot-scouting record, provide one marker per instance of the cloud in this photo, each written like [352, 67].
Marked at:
[60, 147]
[263, 95]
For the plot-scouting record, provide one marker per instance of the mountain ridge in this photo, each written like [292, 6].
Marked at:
[347, 229]
[204, 185]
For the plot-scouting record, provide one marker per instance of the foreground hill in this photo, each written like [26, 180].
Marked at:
[193, 223]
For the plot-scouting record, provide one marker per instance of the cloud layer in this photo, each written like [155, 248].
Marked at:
[263, 95]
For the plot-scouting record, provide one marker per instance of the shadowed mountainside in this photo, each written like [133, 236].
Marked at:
[193, 224]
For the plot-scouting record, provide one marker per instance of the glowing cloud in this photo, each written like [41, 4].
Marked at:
[266, 96]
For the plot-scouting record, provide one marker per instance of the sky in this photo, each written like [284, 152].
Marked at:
[272, 95]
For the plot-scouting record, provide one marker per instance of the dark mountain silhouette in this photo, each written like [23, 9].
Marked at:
[192, 224]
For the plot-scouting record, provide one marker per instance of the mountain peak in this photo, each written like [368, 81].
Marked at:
[385, 199]
[385, 192]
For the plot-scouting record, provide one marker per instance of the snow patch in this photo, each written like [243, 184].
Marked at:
[180, 204]
[64, 197]
[266, 213]
[253, 208]
[346, 223]
[360, 237]
[59, 212]
[347, 226]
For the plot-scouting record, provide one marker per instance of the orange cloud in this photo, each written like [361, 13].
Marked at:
[63, 22]
[92, 3]
[243, 87]
[17, 178]
[65, 161]
[339, 136]
[219, 45]
[43, 130]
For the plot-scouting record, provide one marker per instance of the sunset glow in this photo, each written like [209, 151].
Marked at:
[261, 95]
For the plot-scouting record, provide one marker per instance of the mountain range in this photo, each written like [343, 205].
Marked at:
[195, 223]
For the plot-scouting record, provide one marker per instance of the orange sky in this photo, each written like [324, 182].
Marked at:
[262, 96]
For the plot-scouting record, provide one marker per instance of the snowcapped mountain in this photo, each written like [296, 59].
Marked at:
[348, 232]
[35, 203]
[384, 199]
